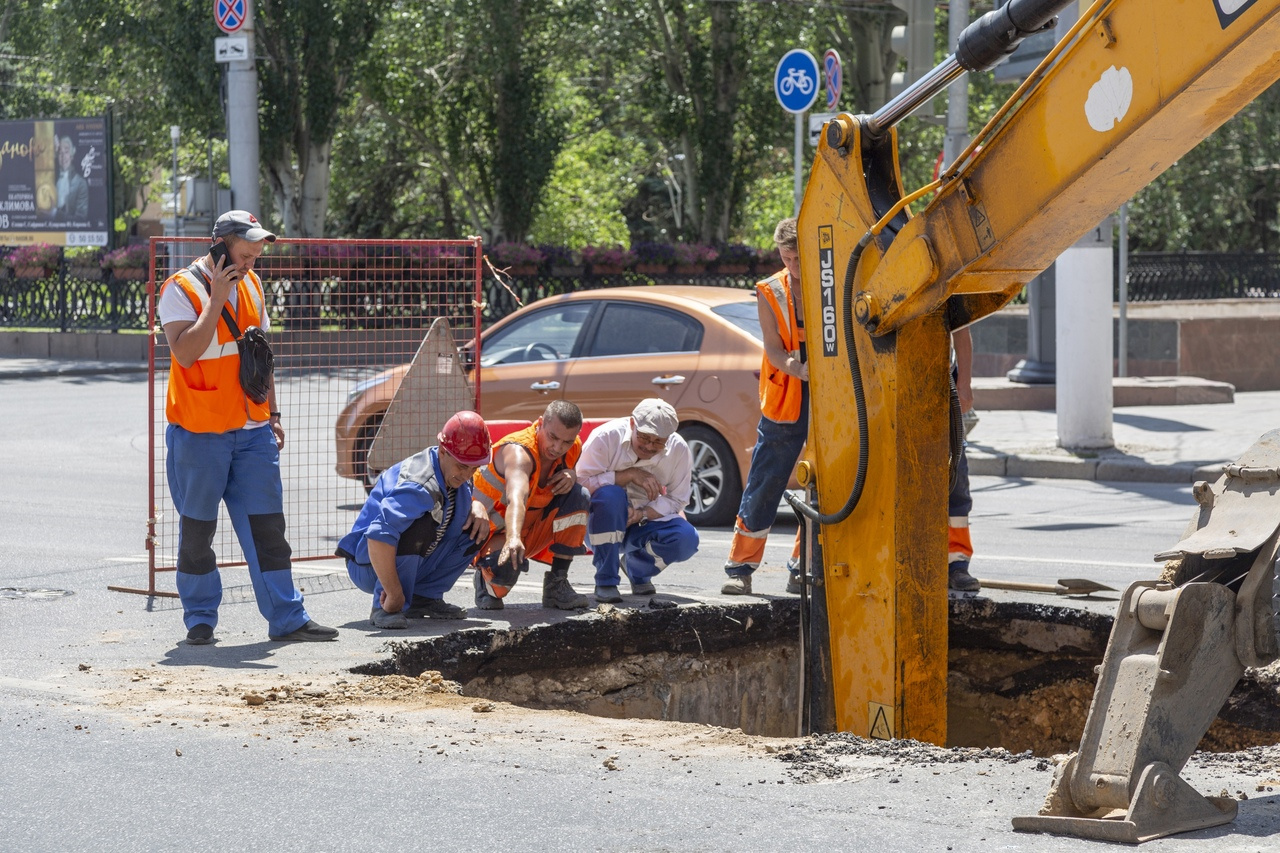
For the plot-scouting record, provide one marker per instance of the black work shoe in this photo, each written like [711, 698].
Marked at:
[200, 635]
[312, 631]
[959, 579]
[559, 594]
[642, 588]
[434, 608]
[388, 621]
[484, 600]
[608, 595]
[794, 584]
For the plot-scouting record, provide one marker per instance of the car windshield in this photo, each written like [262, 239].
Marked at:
[744, 315]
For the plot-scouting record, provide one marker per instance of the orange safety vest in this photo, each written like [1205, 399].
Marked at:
[207, 397]
[491, 487]
[780, 392]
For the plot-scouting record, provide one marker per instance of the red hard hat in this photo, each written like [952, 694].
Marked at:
[466, 438]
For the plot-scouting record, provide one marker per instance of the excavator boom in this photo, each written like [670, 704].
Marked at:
[1135, 84]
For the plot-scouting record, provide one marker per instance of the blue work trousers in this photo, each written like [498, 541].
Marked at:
[429, 577]
[959, 501]
[649, 547]
[240, 468]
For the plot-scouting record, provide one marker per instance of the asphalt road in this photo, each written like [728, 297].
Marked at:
[115, 736]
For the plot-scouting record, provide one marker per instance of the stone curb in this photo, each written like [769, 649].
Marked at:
[1042, 466]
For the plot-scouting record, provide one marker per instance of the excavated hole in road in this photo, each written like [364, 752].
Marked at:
[1020, 676]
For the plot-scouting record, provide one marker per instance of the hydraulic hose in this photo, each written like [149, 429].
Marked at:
[957, 438]
[860, 403]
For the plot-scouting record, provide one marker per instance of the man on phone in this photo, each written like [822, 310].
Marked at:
[222, 446]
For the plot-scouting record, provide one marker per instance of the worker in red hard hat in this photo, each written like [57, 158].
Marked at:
[419, 529]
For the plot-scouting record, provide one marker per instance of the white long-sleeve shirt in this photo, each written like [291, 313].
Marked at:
[608, 450]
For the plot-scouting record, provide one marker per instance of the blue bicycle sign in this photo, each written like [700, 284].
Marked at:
[795, 81]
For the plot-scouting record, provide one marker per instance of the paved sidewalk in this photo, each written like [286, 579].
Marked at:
[1156, 444]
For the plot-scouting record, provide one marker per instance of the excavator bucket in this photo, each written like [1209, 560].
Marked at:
[1175, 654]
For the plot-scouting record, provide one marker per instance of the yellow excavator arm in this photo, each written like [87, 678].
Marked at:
[1134, 85]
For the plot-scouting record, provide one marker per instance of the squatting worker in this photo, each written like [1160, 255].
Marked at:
[223, 447]
[537, 509]
[419, 528]
[784, 417]
[638, 471]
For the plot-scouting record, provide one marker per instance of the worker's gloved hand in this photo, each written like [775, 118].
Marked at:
[970, 419]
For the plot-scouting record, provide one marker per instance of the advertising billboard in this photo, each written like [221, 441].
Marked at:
[53, 182]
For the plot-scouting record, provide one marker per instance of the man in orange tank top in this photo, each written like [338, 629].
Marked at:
[536, 507]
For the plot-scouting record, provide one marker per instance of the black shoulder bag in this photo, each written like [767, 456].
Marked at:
[257, 362]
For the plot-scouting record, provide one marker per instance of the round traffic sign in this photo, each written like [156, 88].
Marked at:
[835, 77]
[795, 81]
[230, 14]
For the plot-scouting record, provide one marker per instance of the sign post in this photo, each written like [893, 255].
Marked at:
[235, 18]
[795, 83]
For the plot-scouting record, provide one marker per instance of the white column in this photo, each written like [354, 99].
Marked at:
[1085, 347]
[242, 124]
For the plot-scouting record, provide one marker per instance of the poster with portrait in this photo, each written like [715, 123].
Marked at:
[53, 182]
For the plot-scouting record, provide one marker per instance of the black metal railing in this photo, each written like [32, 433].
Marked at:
[1165, 276]
[71, 299]
[68, 298]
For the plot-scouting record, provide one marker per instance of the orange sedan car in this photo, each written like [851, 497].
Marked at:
[605, 350]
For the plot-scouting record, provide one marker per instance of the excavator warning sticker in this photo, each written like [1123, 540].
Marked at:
[880, 721]
[1229, 10]
[827, 278]
[981, 226]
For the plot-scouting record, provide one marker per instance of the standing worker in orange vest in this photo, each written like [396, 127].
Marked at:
[223, 447]
[537, 509]
[784, 417]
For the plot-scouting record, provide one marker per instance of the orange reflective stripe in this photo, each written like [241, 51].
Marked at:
[747, 547]
[206, 397]
[959, 545]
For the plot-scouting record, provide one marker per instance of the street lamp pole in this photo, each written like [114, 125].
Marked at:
[174, 133]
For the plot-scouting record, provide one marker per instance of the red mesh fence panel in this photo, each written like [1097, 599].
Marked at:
[346, 317]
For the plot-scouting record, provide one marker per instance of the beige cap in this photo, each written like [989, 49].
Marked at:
[656, 417]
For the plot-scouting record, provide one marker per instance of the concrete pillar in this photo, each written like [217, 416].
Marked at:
[1085, 346]
[242, 124]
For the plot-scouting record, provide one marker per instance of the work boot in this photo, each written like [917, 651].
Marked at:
[484, 600]
[200, 635]
[313, 631]
[737, 585]
[607, 595]
[557, 593]
[642, 588]
[959, 579]
[434, 608]
[390, 621]
[794, 584]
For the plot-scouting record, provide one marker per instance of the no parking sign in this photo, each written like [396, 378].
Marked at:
[230, 14]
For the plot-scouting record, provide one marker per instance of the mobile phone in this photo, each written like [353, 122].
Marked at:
[218, 252]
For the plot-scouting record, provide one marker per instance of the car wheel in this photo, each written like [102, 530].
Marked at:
[717, 485]
[364, 441]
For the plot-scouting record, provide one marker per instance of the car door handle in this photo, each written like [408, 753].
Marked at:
[669, 380]
[545, 386]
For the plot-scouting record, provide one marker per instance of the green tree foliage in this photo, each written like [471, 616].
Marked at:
[311, 49]
[1222, 196]
[468, 83]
